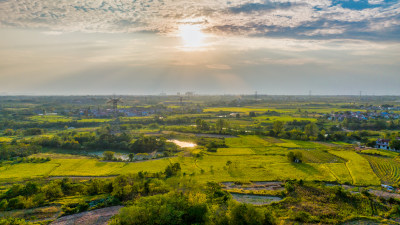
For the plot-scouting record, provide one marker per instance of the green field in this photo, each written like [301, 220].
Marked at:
[271, 119]
[252, 158]
[359, 168]
[50, 119]
[63, 119]
[242, 109]
[387, 168]
[5, 139]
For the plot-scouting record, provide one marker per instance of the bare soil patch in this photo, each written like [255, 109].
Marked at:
[98, 217]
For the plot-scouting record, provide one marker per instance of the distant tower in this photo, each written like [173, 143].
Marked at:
[114, 101]
[115, 126]
[256, 95]
[180, 100]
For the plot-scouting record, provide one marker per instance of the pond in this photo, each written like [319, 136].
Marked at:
[118, 155]
[183, 144]
[257, 185]
[255, 199]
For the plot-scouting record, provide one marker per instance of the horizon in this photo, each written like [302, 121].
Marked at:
[197, 95]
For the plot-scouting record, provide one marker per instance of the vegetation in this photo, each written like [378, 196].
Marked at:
[169, 162]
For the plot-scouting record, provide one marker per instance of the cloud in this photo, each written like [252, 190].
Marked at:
[324, 32]
[274, 18]
[375, 2]
[219, 67]
[264, 7]
[53, 32]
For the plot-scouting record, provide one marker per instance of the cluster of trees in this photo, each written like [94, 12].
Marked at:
[209, 206]
[16, 149]
[148, 144]
[299, 131]
[34, 194]
[219, 126]
[308, 131]
[376, 124]
[103, 139]
[212, 144]
[122, 188]
[394, 144]
[91, 140]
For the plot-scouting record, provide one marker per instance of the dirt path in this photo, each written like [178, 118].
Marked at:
[98, 217]
[384, 194]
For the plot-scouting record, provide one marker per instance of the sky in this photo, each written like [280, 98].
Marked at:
[275, 47]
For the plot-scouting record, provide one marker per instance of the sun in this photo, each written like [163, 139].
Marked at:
[191, 35]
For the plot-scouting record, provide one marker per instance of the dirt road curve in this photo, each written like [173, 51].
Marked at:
[98, 217]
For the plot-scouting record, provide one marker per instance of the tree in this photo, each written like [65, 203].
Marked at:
[198, 123]
[311, 130]
[30, 188]
[296, 157]
[131, 156]
[173, 170]
[3, 204]
[246, 214]
[108, 155]
[394, 144]
[220, 124]
[277, 127]
[252, 114]
[52, 191]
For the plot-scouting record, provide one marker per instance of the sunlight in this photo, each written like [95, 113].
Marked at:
[192, 36]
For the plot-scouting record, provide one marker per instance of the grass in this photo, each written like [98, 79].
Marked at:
[63, 119]
[253, 158]
[359, 168]
[5, 139]
[20, 171]
[247, 141]
[235, 151]
[50, 119]
[242, 109]
[319, 156]
[340, 171]
[94, 120]
[380, 152]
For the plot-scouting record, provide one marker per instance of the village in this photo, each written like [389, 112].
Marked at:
[369, 115]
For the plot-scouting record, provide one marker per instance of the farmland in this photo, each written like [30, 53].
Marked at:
[253, 159]
[93, 157]
[386, 168]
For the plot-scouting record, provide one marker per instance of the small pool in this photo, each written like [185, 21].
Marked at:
[255, 199]
[183, 144]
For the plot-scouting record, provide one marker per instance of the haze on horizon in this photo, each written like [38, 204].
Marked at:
[79, 47]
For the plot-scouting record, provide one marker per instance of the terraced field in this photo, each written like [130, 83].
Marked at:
[387, 168]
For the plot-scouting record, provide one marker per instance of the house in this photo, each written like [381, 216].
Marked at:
[383, 144]
[387, 187]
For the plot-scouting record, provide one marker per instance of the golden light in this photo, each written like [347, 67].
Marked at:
[192, 36]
